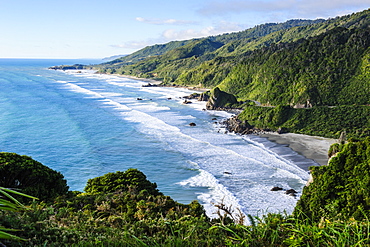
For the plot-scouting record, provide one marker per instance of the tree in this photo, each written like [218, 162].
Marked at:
[20, 172]
[339, 190]
[112, 182]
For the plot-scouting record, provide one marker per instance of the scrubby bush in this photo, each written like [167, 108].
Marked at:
[339, 190]
[20, 172]
[132, 179]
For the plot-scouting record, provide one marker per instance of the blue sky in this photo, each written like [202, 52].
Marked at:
[97, 29]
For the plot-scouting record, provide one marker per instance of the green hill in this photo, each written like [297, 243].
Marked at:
[298, 63]
[329, 69]
[320, 62]
[159, 61]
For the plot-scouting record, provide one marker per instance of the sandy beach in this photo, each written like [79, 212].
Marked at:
[312, 147]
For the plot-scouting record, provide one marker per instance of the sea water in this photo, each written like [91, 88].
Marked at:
[85, 125]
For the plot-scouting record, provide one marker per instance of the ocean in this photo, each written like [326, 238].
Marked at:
[85, 125]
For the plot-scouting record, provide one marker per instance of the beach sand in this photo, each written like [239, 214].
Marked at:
[312, 147]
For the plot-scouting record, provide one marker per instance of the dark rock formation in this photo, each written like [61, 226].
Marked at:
[204, 96]
[276, 188]
[242, 127]
[192, 96]
[150, 85]
[282, 130]
[192, 124]
[220, 99]
[291, 191]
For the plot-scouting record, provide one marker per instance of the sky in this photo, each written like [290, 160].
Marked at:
[99, 29]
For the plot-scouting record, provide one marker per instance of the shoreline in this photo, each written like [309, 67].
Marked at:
[314, 148]
[157, 83]
[311, 147]
[151, 81]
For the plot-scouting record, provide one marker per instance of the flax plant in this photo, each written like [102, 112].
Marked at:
[9, 203]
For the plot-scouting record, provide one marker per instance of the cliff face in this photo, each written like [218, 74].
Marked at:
[220, 99]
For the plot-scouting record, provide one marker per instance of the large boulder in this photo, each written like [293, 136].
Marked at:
[236, 125]
[220, 99]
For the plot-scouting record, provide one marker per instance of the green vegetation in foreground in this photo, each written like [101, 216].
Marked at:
[319, 121]
[22, 173]
[9, 204]
[125, 209]
[339, 191]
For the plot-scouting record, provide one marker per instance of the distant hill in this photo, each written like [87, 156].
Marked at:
[314, 62]
[111, 58]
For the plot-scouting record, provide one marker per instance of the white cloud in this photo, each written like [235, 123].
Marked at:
[173, 34]
[156, 21]
[134, 45]
[220, 28]
[290, 8]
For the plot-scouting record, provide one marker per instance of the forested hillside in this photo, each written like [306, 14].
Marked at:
[321, 62]
[298, 63]
[329, 69]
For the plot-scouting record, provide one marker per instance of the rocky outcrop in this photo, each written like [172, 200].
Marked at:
[204, 96]
[65, 67]
[241, 127]
[276, 188]
[198, 96]
[220, 99]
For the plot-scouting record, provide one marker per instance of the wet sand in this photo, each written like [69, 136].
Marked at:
[312, 147]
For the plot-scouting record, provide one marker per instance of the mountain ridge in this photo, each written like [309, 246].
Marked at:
[211, 61]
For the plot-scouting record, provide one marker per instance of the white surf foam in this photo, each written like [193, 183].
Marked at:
[237, 170]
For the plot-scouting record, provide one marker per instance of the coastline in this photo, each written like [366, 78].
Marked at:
[312, 147]
[157, 83]
[151, 81]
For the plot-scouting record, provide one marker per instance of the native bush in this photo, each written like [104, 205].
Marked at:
[319, 120]
[20, 172]
[121, 181]
[339, 190]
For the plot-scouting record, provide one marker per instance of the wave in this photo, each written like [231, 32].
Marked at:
[236, 170]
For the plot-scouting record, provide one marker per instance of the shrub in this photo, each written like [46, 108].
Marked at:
[339, 190]
[22, 173]
[112, 182]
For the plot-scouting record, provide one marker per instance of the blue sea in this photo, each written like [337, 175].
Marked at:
[86, 125]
